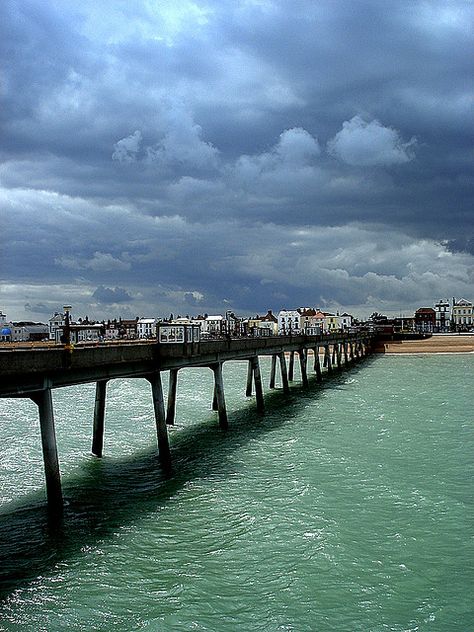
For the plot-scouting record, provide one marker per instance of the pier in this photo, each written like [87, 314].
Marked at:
[34, 372]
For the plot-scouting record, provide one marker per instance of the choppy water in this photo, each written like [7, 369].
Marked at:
[348, 507]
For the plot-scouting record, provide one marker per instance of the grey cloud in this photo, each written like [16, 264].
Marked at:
[107, 295]
[126, 150]
[175, 142]
[45, 309]
[193, 298]
[370, 144]
[100, 262]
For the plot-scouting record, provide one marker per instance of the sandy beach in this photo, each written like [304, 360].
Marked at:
[443, 343]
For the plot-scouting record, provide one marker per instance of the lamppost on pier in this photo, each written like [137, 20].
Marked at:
[67, 326]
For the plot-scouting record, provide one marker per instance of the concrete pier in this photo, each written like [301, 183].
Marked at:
[33, 372]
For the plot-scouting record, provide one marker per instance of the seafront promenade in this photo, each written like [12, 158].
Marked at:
[438, 343]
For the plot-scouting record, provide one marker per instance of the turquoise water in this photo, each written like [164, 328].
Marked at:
[347, 507]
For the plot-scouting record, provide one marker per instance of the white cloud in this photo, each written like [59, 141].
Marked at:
[370, 144]
[126, 150]
[180, 144]
[287, 169]
[296, 146]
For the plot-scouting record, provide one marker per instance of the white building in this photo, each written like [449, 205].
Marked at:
[346, 321]
[24, 332]
[214, 324]
[112, 330]
[55, 323]
[146, 328]
[269, 323]
[462, 314]
[5, 329]
[288, 322]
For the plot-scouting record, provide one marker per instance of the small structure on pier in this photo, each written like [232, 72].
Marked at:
[174, 334]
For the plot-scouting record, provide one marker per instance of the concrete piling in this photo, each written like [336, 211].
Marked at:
[160, 419]
[99, 418]
[284, 373]
[258, 384]
[291, 367]
[273, 371]
[317, 365]
[219, 395]
[248, 390]
[171, 406]
[43, 399]
[303, 364]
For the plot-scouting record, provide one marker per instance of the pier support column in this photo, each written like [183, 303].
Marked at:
[317, 365]
[303, 363]
[172, 388]
[214, 399]
[334, 351]
[44, 401]
[346, 358]
[258, 385]
[327, 358]
[273, 371]
[248, 390]
[219, 394]
[291, 367]
[284, 374]
[99, 418]
[338, 355]
[351, 351]
[160, 419]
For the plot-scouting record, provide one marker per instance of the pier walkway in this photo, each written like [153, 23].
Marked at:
[33, 372]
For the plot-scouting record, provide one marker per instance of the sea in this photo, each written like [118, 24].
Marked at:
[348, 506]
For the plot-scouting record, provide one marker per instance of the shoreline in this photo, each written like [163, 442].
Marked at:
[441, 343]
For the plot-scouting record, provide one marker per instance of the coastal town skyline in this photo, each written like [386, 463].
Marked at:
[200, 156]
[443, 318]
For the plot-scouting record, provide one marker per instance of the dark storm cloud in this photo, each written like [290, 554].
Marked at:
[107, 295]
[179, 149]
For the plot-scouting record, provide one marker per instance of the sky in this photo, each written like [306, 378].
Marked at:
[190, 157]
